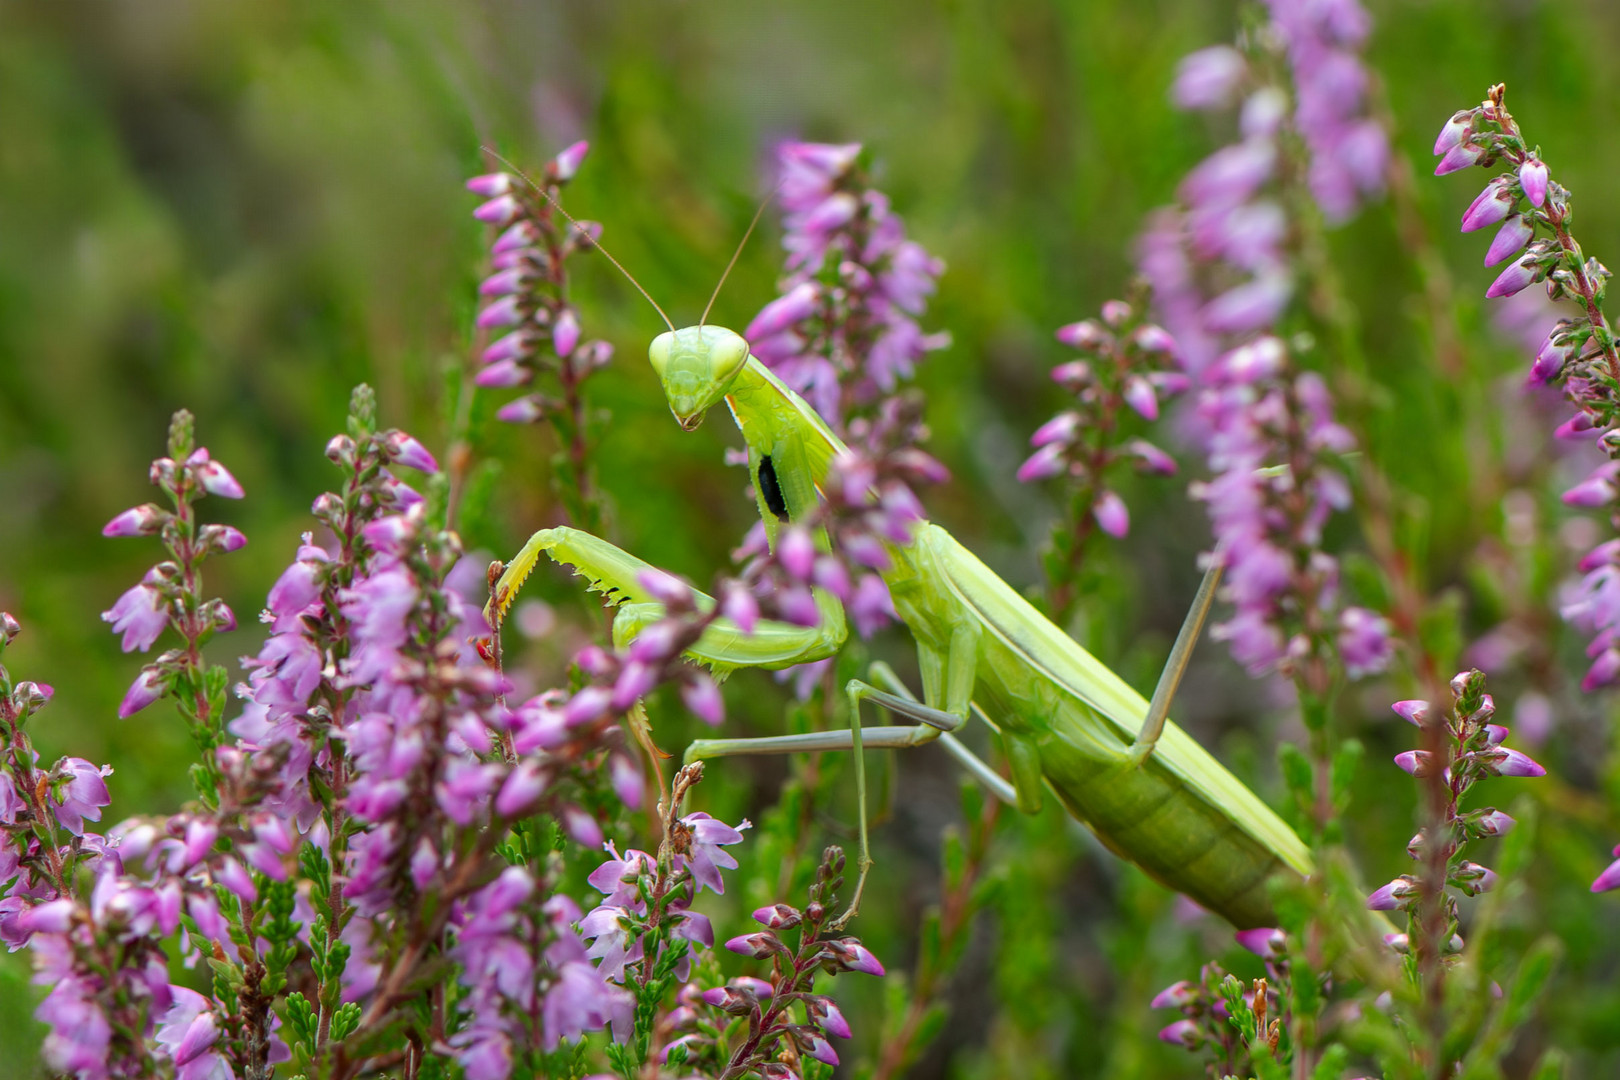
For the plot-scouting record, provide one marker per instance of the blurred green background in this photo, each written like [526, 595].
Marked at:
[246, 208]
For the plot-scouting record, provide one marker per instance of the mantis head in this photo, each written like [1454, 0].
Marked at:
[696, 365]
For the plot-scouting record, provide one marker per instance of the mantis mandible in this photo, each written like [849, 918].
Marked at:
[1067, 722]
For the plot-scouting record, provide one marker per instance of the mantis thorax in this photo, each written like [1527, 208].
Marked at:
[696, 365]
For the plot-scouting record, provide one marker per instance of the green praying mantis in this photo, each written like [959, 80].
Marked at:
[1066, 721]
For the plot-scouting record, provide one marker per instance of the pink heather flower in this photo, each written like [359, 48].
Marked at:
[582, 827]
[1505, 761]
[1533, 180]
[871, 608]
[214, 477]
[511, 346]
[1043, 464]
[1174, 996]
[1415, 762]
[144, 520]
[140, 615]
[406, 451]
[567, 163]
[1085, 334]
[706, 859]
[797, 303]
[1390, 896]
[1454, 132]
[1518, 276]
[503, 373]
[1264, 941]
[522, 789]
[565, 332]
[523, 410]
[1489, 206]
[1251, 306]
[740, 606]
[497, 211]
[82, 796]
[147, 688]
[1112, 515]
[1412, 711]
[702, 698]
[1364, 641]
[857, 957]
[819, 1048]
[1550, 360]
[1610, 878]
[1598, 489]
[1208, 78]
[490, 184]
[797, 552]
[1459, 157]
[1182, 1033]
[1152, 458]
[503, 312]
[1139, 395]
[1511, 237]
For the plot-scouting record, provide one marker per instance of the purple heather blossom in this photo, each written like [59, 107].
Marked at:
[847, 347]
[1182, 1033]
[1208, 78]
[1610, 878]
[708, 836]
[144, 520]
[140, 614]
[1264, 941]
[212, 476]
[80, 793]
[1514, 234]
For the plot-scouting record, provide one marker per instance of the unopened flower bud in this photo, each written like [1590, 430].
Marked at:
[1533, 179]
[1515, 232]
[759, 946]
[9, 627]
[1390, 897]
[1454, 132]
[1086, 334]
[729, 1000]
[778, 916]
[145, 520]
[1182, 1033]
[567, 163]
[1176, 995]
[1520, 275]
[1412, 711]
[1489, 206]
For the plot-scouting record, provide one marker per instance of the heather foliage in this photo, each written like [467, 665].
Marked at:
[1113, 293]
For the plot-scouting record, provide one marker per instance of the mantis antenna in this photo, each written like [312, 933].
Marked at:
[736, 254]
[593, 241]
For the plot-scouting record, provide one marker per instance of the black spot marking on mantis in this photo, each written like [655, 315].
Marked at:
[771, 489]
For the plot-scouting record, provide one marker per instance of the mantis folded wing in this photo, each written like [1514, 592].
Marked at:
[1067, 722]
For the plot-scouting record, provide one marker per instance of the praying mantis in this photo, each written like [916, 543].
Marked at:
[1066, 721]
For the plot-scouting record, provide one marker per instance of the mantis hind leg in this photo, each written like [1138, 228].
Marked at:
[980, 769]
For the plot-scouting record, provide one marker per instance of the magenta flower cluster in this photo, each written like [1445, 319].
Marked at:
[1208, 1006]
[1219, 264]
[376, 810]
[1472, 749]
[1272, 444]
[1221, 276]
[1531, 213]
[844, 331]
[772, 1007]
[1127, 363]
